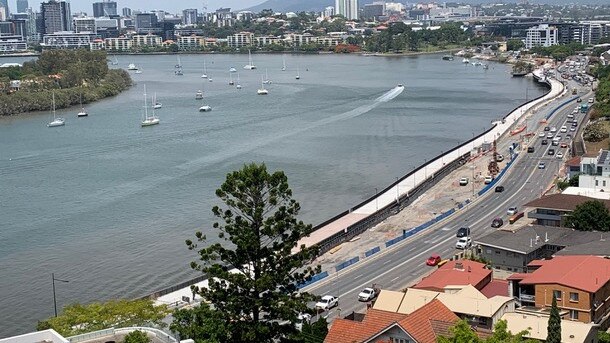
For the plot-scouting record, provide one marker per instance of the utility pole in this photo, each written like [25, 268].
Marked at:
[54, 297]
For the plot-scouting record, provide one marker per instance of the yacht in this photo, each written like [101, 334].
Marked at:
[232, 70]
[115, 61]
[205, 71]
[250, 64]
[148, 121]
[262, 90]
[238, 86]
[57, 121]
[205, 108]
[199, 95]
[231, 83]
[178, 72]
[266, 81]
[132, 66]
[283, 63]
[82, 112]
[298, 77]
[156, 104]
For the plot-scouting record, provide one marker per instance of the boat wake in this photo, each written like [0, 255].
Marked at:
[393, 93]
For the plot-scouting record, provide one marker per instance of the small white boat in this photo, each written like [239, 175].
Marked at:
[465, 60]
[238, 86]
[232, 70]
[209, 79]
[82, 112]
[115, 61]
[199, 95]
[485, 66]
[298, 77]
[262, 90]
[138, 71]
[148, 121]
[57, 121]
[266, 81]
[283, 63]
[231, 83]
[205, 71]
[132, 66]
[250, 64]
[205, 108]
[156, 104]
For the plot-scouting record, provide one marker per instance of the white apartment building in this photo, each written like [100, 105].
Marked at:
[329, 41]
[190, 42]
[347, 8]
[118, 44]
[266, 40]
[84, 24]
[301, 39]
[67, 40]
[595, 172]
[97, 44]
[240, 39]
[146, 40]
[541, 35]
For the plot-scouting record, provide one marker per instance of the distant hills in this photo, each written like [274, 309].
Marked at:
[319, 5]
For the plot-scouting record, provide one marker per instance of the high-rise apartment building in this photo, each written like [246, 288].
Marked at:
[4, 13]
[189, 16]
[22, 6]
[347, 8]
[541, 35]
[126, 12]
[145, 21]
[105, 8]
[55, 16]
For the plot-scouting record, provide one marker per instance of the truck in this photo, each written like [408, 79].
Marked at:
[369, 293]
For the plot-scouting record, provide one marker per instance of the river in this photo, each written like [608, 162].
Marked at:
[107, 204]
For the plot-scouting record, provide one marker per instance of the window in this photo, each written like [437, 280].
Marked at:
[557, 294]
[573, 314]
[596, 183]
[497, 252]
[488, 251]
[573, 296]
[398, 340]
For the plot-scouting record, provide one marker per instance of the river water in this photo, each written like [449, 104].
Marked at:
[107, 204]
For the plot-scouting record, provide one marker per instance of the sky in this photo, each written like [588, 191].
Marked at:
[169, 6]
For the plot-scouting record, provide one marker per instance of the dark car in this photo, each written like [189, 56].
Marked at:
[500, 189]
[551, 152]
[530, 149]
[497, 222]
[463, 232]
[544, 142]
[546, 128]
[579, 100]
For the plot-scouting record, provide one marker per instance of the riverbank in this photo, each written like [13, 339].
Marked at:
[410, 53]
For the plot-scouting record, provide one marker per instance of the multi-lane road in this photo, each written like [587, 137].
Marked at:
[404, 263]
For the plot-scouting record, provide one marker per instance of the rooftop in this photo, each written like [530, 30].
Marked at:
[495, 287]
[587, 192]
[47, 336]
[587, 273]
[561, 202]
[572, 331]
[524, 239]
[462, 272]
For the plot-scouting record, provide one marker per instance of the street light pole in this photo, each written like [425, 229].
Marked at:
[397, 193]
[376, 202]
[54, 297]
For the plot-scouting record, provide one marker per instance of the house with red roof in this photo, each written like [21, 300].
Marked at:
[580, 283]
[458, 272]
[424, 325]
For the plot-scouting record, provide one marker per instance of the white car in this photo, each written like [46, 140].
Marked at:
[463, 181]
[549, 135]
[463, 243]
[570, 115]
[553, 129]
[511, 211]
[563, 129]
[368, 294]
[559, 155]
[488, 179]
[327, 302]
[302, 319]
[541, 134]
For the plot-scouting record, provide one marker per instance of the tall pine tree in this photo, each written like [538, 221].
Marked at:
[553, 334]
[258, 232]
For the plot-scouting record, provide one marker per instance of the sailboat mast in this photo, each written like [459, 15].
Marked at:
[145, 104]
[53, 96]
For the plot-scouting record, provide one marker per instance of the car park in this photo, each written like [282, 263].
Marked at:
[433, 260]
[551, 152]
[463, 243]
[463, 232]
[463, 181]
[541, 165]
[511, 210]
[327, 302]
[544, 142]
[497, 222]
[499, 189]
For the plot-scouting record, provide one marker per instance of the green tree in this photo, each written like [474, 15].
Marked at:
[136, 336]
[514, 44]
[259, 233]
[195, 324]
[312, 333]
[553, 334]
[603, 337]
[76, 319]
[459, 333]
[590, 216]
[502, 335]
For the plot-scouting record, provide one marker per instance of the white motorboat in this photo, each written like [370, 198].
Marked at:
[266, 81]
[238, 86]
[132, 66]
[209, 79]
[57, 121]
[205, 108]
[298, 77]
[232, 70]
[152, 120]
[156, 104]
[199, 95]
[262, 90]
[138, 71]
[250, 64]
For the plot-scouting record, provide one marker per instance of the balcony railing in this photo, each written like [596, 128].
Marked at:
[527, 297]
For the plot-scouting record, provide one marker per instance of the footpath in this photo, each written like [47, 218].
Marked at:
[446, 194]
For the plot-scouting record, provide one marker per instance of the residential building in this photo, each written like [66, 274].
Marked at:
[4, 12]
[97, 44]
[190, 42]
[464, 301]
[573, 166]
[595, 171]
[56, 16]
[67, 40]
[106, 27]
[535, 323]
[118, 44]
[329, 11]
[22, 6]
[84, 24]
[11, 43]
[581, 285]
[542, 35]
[146, 40]
[126, 12]
[241, 39]
[347, 8]
[302, 39]
[145, 21]
[551, 210]
[189, 16]
[266, 40]
[245, 15]
[374, 11]
[329, 41]
[105, 8]
[424, 325]
[458, 272]
[513, 250]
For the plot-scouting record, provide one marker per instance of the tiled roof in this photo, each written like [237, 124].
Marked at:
[349, 331]
[471, 273]
[564, 202]
[573, 162]
[422, 323]
[495, 287]
[587, 273]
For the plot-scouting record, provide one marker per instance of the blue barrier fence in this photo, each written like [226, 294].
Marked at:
[347, 263]
[313, 279]
[372, 251]
[497, 179]
[560, 106]
[411, 232]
